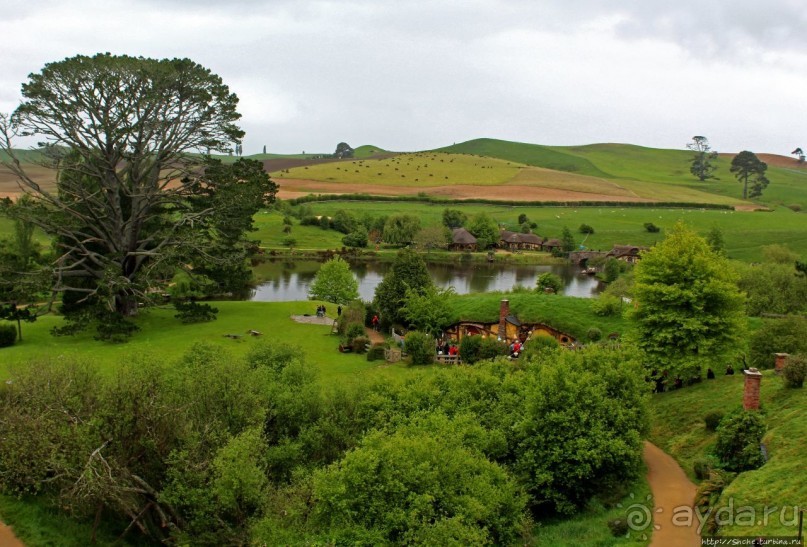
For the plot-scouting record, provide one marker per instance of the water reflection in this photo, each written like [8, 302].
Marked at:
[289, 280]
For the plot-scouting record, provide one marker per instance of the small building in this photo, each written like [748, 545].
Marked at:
[462, 240]
[626, 253]
[515, 241]
[551, 245]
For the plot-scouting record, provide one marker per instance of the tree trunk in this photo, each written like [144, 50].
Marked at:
[126, 304]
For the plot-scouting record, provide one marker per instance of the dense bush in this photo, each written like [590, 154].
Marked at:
[357, 238]
[353, 331]
[376, 353]
[786, 335]
[477, 348]
[353, 313]
[795, 370]
[738, 438]
[549, 281]
[8, 335]
[420, 347]
[652, 228]
[594, 334]
[585, 229]
[359, 344]
[712, 419]
[606, 305]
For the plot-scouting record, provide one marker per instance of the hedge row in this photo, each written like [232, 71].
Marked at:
[423, 198]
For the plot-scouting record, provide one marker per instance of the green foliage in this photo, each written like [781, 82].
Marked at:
[714, 237]
[353, 331]
[567, 243]
[193, 312]
[523, 218]
[785, 335]
[400, 229]
[353, 313]
[619, 527]
[12, 312]
[690, 314]
[344, 221]
[420, 347]
[113, 327]
[550, 281]
[779, 254]
[771, 288]
[748, 168]
[585, 416]
[795, 371]
[359, 344]
[702, 468]
[454, 218]
[432, 237]
[357, 238]
[612, 269]
[485, 230]
[703, 163]
[288, 241]
[594, 334]
[376, 353]
[428, 310]
[652, 228]
[407, 272]
[738, 438]
[8, 335]
[606, 305]
[335, 283]
[712, 419]
[477, 348]
[585, 229]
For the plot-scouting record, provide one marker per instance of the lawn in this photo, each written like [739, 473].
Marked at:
[167, 339]
[678, 429]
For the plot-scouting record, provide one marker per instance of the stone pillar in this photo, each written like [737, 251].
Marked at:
[504, 311]
[781, 361]
[751, 392]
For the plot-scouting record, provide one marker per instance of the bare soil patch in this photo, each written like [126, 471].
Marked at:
[671, 489]
[313, 319]
[292, 188]
[7, 537]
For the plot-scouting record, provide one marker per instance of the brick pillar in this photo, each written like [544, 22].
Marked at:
[751, 392]
[781, 361]
[504, 311]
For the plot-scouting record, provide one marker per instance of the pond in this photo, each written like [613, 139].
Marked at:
[289, 280]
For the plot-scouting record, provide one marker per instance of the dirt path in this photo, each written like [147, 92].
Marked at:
[7, 537]
[374, 336]
[671, 488]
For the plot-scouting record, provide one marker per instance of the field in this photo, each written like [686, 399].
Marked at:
[745, 232]
[678, 429]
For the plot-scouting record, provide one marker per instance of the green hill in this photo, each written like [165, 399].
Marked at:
[678, 428]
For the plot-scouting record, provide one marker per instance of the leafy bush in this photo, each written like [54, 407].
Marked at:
[606, 305]
[8, 335]
[619, 527]
[787, 335]
[738, 437]
[585, 229]
[469, 349]
[712, 419]
[193, 312]
[357, 238]
[702, 467]
[795, 371]
[549, 281]
[376, 353]
[491, 348]
[288, 242]
[353, 330]
[352, 314]
[652, 228]
[796, 207]
[594, 334]
[420, 347]
[359, 344]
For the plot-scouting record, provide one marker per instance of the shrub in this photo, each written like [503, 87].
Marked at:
[593, 334]
[619, 527]
[469, 349]
[115, 328]
[353, 330]
[585, 229]
[359, 344]
[357, 238]
[796, 207]
[288, 242]
[420, 347]
[376, 353]
[491, 348]
[786, 335]
[351, 314]
[738, 437]
[549, 281]
[652, 228]
[8, 335]
[795, 371]
[193, 312]
[712, 419]
[702, 468]
[606, 305]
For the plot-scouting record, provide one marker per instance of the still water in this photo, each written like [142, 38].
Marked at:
[289, 280]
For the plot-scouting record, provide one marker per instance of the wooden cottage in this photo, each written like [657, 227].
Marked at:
[626, 253]
[551, 244]
[462, 240]
[515, 241]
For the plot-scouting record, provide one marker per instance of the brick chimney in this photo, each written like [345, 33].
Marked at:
[751, 392]
[781, 361]
[504, 311]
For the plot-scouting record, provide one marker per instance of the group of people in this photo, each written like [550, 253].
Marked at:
[446, 347]
[321, 311]
[516, 347]
[662, 384]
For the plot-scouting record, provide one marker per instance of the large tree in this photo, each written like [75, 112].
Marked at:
[689, 313]
[748, 168]
[703, 162]
[335, 283]
[485, 230]
[126, 136]
[407, 272]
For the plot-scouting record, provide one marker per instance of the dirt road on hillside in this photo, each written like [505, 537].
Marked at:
[671, 489]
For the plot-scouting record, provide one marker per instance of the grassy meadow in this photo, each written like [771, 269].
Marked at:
[678, 429]
[744, 232]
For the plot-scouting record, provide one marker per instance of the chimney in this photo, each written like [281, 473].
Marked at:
[781, 361]
[504, 311]
[751, 392]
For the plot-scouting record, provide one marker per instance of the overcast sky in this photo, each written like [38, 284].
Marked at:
[411, 75]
